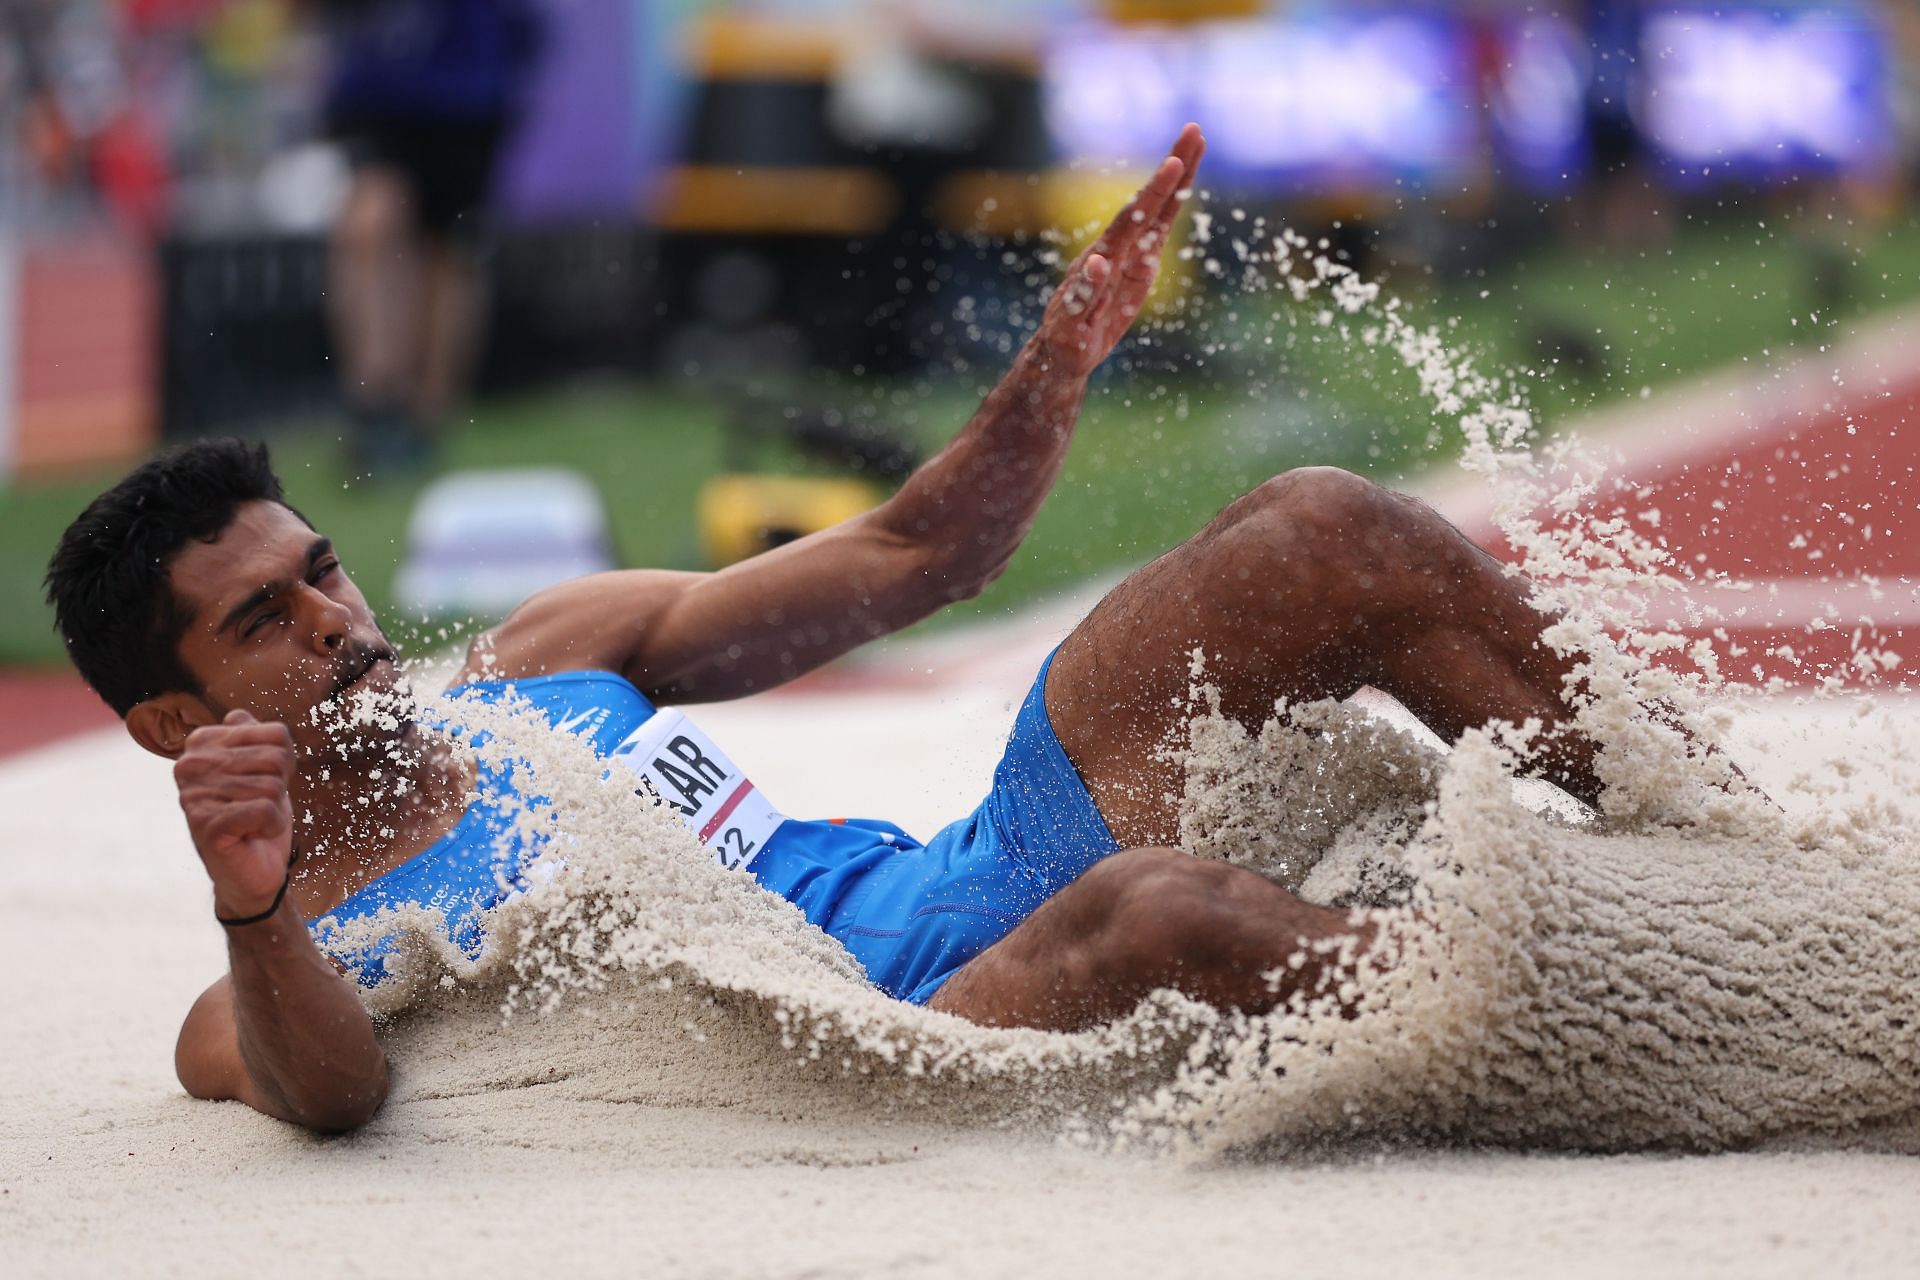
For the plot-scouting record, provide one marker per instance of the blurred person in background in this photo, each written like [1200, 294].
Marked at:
[75, 140]
[1623, 206]
[423, 95]
[37, 122]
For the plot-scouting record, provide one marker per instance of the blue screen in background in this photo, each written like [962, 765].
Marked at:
[1381, 99]
[1764, 92]
[1389, 99]
[1537, 102]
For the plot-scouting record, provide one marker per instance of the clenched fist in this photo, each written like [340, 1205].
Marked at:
[233, 788]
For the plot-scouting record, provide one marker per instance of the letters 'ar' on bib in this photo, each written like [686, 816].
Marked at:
[678, 765]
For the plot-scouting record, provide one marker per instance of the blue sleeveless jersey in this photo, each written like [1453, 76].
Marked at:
[912, 914]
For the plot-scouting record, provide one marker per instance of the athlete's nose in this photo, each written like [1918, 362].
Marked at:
[331, 621]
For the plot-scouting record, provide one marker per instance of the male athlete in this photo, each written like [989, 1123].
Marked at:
[215, 620]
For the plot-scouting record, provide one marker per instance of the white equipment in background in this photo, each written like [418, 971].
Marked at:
[480, 542]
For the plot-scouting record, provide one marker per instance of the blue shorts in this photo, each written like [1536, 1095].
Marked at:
[915, 918]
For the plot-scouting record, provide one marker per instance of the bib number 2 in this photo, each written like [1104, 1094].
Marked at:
[680, 767]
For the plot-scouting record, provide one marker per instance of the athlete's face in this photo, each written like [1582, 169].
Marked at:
[275, 627]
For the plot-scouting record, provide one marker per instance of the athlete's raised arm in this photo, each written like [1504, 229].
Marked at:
[947, 533]
[283, 1032]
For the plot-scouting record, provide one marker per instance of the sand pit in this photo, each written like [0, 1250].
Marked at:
[670, 1137]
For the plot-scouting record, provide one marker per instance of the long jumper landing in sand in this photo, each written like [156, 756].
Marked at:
[226, 632]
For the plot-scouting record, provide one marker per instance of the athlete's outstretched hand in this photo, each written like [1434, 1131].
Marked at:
[233, 788]
[1107, 285]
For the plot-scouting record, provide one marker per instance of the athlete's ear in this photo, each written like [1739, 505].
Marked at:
[161, 723]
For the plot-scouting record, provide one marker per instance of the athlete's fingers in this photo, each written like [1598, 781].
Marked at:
[246, 820]
[1137, 214]
[216, 741]
[218, 785]
[217, 788]
[228, 787]
[1138, 270]
[250, 731]
[1100, 312]
[1084, 283]
[267, 760]
[1141, 269]
[1161, 199]
[1188, 150]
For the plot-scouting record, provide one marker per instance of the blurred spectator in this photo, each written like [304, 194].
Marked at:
[44, 136]
[423, 95]
[1622, 204]
[75, 141]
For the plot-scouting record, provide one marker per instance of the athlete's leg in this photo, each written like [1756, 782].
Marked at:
[1144, 920]
[1312, 585]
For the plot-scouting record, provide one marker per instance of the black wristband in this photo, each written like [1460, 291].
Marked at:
[293, 856]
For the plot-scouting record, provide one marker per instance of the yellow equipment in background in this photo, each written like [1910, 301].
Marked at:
[741, 514]
[1081, 204]
[1177, 11]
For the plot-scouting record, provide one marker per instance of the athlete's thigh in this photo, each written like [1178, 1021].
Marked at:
[1117, 694]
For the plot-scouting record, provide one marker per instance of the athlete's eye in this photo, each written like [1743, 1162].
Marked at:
[259, 622]
[325, 569]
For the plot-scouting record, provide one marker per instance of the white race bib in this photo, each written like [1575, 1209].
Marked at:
[680, 766]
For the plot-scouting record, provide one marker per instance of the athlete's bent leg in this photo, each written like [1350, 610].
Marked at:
[1148, 919]
[1312, 585]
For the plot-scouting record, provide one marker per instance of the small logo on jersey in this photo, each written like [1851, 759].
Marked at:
[573, 722]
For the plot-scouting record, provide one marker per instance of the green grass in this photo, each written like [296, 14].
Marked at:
[1158, 451]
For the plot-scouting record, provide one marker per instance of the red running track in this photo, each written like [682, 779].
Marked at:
[39, 708]
[1805, 488]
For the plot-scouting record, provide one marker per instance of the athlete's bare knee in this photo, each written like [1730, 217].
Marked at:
[1374, 553]
[1169, 912]
[1313, 537]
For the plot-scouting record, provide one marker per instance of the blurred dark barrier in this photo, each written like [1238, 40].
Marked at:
[569, 301]
[243, 328]
[243, 332]
[832, 213]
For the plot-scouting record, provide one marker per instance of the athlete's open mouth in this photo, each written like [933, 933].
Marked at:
[357, 671]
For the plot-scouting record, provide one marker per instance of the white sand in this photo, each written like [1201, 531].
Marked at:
[649, 1152]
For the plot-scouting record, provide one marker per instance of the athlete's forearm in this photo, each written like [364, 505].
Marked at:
[972, 504]
[304, 1037]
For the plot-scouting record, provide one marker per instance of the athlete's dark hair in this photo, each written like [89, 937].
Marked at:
[108, 580]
